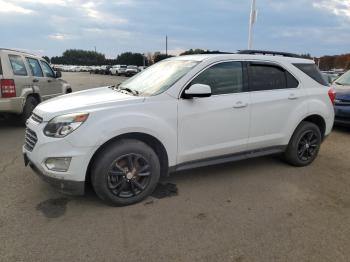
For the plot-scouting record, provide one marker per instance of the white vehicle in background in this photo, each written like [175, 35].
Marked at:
[131, 70]
[118, 69]
[181, 113]
[141, 68]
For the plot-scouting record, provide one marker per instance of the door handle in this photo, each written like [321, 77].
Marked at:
[292, 97]
[35, 80]
[240, 104]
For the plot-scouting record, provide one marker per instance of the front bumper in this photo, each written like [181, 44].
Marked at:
[64, 186]
[12, 105]
[73, 180]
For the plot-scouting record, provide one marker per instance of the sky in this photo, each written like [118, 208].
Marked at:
[48, 27]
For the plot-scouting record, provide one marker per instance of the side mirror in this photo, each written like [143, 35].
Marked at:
[58, 74]
[198, 90]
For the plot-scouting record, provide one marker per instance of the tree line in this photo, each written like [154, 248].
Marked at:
[331, 62]
[89, 58]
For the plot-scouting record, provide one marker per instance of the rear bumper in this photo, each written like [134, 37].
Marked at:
[342, 121]
[12, 105]
[65, 186]
[342, 115]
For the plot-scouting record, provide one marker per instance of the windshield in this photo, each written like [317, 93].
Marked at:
[344, 79]
[159, 77]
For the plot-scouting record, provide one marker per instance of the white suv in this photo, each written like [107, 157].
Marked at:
[181, 113]
[118, 70]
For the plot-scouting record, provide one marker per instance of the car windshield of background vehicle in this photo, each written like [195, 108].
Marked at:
[159, 77]
[344, 79]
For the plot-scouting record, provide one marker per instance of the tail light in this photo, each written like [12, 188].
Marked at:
[8, 88]
[332, 94]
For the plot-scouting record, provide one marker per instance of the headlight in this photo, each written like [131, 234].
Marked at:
[62, 126]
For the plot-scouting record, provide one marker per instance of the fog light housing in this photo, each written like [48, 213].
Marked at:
[59, 164]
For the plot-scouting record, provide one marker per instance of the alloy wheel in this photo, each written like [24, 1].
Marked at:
[129, 175]
[308, 145]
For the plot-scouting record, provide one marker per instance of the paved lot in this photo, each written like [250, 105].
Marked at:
[256, 210]
[81, 81]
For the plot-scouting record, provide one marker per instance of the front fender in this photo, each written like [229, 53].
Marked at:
[65, 88]
[100, 129]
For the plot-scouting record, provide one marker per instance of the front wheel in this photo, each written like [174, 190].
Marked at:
[125, 172]
[304, 145]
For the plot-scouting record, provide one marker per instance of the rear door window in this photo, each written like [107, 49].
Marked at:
[35, 67]
[17, 65]
[270, 77]
[292, 82]
[47, 69]
[266, 77]
[312, 71]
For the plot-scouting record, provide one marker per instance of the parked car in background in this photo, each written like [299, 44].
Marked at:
[25, 81]
[141, 68]
[103, 70]
[118, 70]
[329, 77]
[131, 70]
[180, 113]
[342, 101]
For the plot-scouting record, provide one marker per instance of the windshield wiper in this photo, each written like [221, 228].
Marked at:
[129, 90]
[132, 91]
[339, 83]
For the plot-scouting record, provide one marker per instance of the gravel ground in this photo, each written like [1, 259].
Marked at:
[254, 210]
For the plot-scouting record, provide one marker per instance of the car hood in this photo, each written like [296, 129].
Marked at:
[84, 101]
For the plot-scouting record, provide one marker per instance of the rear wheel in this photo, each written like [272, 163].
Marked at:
[304, 145]
[125, 172]
[30, 104]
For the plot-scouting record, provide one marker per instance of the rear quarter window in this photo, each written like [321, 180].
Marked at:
[312, 71]
[17, 65]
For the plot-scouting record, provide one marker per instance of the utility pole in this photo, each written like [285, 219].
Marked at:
[166, 45]
[252, 20]
[95, 49]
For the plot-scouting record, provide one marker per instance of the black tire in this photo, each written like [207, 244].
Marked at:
[30, 104]
[119, 183]
[304, 145]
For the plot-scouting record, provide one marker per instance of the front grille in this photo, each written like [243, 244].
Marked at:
[37, 118]
[30, 139]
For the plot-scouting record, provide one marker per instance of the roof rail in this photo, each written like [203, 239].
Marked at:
[15, 50]
[273, 53]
